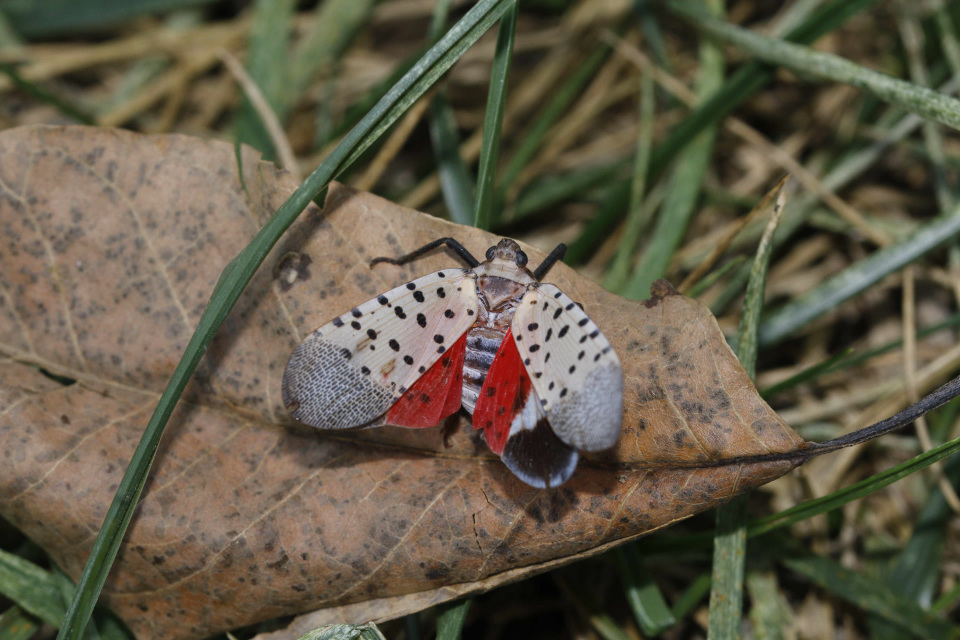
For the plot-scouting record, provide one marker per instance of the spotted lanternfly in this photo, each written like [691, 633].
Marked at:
[537, 375]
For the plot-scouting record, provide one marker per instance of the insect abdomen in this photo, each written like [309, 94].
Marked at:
[482, 345]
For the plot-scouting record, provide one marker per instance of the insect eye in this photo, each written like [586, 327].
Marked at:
[490, 252]
[521, 259]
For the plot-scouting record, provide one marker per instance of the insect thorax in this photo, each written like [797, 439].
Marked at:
[498, 298]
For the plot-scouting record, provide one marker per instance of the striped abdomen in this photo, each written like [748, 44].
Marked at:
[482, 345]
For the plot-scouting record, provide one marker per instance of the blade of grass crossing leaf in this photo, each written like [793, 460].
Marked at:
[730, 541]
[450, 619]
[493, 118]
[636, 220]
[16, 624]
[268, 64]
[915, 572]
[873, 596]
[855, 279]
[395, 102]
[742, 84]
[807, 62]
[650, 610]
[456, 183]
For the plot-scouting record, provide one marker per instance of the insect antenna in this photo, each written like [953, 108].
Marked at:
[555, 256]
[457, 248]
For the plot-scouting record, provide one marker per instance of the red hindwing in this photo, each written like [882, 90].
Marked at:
[435, 395]
[504, 391]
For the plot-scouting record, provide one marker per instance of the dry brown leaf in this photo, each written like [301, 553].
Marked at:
[112, 243]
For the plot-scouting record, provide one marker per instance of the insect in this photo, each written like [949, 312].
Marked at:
[536, 374]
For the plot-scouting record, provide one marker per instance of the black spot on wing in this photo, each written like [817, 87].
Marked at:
[418, 296]
[337, 322]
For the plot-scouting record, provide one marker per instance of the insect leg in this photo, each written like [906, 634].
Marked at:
[555, 256]
[457, 248]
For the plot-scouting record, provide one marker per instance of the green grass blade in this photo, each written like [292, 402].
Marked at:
[649, 608]
[493, 119]
[684, 193]
[808, 62]
[456, 181]
[344, 632]
[391, 107]
[857, 278]
[45, 96]
[916, 571]
[730, 540]
[450, 619]
[690, 598]
[637, 215]
[30, 587]
[548, 116]
[268, 62]
[548, 191]
[16, 624]
[871, 595]
[769, 612]
[855, 491]
[742, 84]
[335, 24]
[810, 508]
